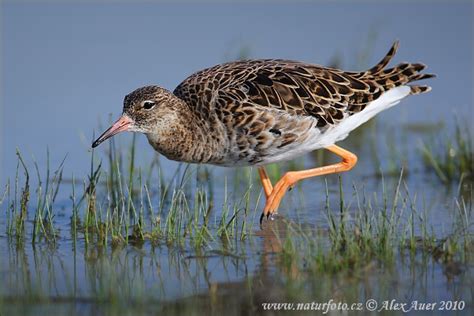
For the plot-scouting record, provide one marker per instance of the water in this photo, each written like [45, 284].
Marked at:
[67, 68]
[73, 68]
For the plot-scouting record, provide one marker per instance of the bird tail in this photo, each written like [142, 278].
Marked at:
[400, 75]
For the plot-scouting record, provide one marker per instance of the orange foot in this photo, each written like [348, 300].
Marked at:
[290, 178]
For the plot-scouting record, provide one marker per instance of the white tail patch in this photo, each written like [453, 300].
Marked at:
[348, 124]
[341, 131]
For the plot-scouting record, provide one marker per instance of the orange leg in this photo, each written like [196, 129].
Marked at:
[290, 178]
[266, 183]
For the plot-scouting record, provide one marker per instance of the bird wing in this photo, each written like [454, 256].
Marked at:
[297, 88]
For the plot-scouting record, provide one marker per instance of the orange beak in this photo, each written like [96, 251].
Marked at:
[122, 124]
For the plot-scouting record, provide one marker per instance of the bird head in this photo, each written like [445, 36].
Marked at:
[144, 110]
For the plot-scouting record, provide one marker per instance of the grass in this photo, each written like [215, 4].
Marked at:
[117, 207]
[132, 236]
[19, 209]
[119, 204]
[363, 234]
[46, 193]
[451, 157]
[375, 229]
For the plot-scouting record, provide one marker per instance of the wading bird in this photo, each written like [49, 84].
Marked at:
[256, 112]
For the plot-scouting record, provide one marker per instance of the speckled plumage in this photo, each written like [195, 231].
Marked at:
[255, 112]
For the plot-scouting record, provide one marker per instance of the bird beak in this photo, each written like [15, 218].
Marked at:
[123, 124]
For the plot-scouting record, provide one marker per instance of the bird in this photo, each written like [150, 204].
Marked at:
[261, 111]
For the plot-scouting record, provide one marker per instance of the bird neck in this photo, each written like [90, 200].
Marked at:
[186, 136]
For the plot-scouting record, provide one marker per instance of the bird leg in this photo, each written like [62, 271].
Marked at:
[290, 178]
[266, 183]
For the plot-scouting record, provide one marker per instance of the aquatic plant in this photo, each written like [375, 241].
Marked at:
[451, 157]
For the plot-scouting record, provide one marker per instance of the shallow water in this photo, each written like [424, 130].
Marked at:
[72, 277]
[55, 90]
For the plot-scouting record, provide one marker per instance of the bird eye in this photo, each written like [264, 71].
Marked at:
[148, 104]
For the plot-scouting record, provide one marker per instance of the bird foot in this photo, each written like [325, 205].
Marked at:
[269, 217]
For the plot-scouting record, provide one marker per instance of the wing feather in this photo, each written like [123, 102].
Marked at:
[327, 94]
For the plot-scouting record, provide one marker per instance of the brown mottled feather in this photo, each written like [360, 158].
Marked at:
[297, 88]
[267, 106]
[263, 111]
